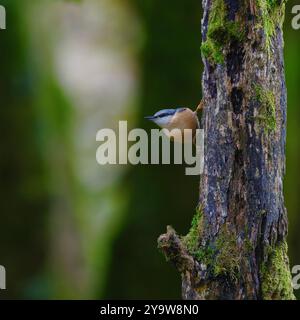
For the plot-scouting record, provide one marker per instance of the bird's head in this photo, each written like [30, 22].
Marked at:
[164, 118]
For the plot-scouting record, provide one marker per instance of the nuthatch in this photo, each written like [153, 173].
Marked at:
[180, 118]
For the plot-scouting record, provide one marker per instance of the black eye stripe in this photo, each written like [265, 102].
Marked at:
[164, 115]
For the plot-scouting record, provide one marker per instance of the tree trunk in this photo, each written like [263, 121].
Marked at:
[236, 248]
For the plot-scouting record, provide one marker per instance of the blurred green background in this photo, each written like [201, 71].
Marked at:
[69, 227]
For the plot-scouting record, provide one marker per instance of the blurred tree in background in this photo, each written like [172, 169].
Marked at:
[24, 201]
[79, 75]
[73, 229]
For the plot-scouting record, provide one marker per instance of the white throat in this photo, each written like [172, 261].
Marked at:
[163, 122]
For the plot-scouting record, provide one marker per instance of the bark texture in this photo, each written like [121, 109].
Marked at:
[236, 248]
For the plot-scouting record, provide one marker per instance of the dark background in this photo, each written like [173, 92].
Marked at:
[69, 227]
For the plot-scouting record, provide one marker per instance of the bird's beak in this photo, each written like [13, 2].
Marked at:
[151, 118]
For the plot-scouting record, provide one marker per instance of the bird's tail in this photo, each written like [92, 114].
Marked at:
[200, 106]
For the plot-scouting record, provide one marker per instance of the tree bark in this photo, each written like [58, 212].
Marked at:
[236, 248]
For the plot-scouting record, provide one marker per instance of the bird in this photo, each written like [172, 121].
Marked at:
[180, 118]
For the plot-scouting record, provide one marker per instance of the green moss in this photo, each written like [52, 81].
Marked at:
[221, 258]
[271, 16]
[267, 110]
[220, 32]
[205, 255]
[191, 240]
[276, 282]
[223, 34]
[212, 52]
[228, 257]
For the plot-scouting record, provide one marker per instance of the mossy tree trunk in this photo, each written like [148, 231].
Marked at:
[236, 248]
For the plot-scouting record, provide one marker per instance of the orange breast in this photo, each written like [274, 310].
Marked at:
[186, 119]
